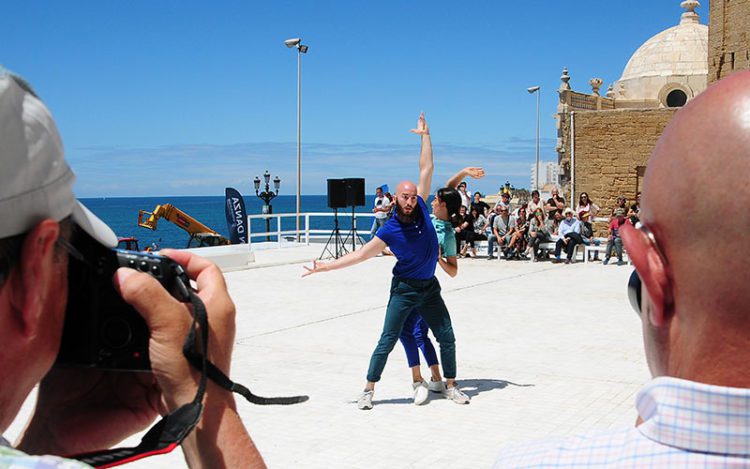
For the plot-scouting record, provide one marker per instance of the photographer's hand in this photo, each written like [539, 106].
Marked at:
[220, 439]
[81, 410]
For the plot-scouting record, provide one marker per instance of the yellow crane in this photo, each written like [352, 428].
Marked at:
[200, 234]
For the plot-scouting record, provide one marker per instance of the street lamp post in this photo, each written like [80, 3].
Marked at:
[267, 195]
[538, 91]
[301, 49]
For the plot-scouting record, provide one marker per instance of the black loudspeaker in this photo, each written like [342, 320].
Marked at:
[355, 192]
[337, 193]
[344, 193]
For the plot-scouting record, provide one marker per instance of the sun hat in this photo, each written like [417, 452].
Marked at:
[35, 181]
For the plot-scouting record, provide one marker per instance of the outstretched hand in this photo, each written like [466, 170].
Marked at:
[422, 128]
[475, 172]
[317, 267]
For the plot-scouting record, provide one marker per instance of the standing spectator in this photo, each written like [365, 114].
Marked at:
[613, 237]
[489, 230]
[505, 201]
[569, 236]
[465, 197]
[391, 205]
[556, 203]
[536, 202]
[586, 211]
[381, 209]
[538, 232]
[502, 229]
[635, 209]
[482, 207]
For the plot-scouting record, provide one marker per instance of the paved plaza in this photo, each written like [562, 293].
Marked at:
[542, 350]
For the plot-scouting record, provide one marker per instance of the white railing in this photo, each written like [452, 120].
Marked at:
[306, 232]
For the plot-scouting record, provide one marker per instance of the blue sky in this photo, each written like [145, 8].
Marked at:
[188, 97]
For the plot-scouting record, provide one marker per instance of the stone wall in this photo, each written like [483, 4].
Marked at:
[728, 38]
[612, 149]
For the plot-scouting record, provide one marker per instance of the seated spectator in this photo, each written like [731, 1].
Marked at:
[569, 236]
[538, 232]
[556, 203]
[553, 225]
[517, 245]
[502, 229]
[621, 203]
[464, 230]
[635, 210]
[613, 237]
[475, 232]
[483, 208]
[586, 211]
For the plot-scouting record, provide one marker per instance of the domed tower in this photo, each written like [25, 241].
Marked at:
[670, 68]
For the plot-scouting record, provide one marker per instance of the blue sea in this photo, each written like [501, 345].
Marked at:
[121, 214]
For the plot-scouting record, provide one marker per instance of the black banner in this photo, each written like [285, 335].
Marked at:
[236, 216]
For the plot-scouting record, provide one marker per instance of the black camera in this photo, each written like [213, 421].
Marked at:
[101, 330]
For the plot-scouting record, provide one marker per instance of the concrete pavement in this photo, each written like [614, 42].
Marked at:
[542, 350]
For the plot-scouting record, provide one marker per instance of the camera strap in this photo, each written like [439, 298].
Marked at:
[172, 429]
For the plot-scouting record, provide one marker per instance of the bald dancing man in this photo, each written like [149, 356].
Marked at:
[412, 238]
[691, 296]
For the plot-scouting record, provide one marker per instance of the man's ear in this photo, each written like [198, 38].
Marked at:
[653, 271]
[31, 282]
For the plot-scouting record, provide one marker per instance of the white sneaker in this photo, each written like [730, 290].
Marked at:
[364, 401]
[456, 395]
[420, 392]
[437, 386]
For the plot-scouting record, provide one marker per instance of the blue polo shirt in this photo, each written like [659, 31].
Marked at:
[414, 244]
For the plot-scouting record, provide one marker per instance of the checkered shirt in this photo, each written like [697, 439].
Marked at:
[685, 424]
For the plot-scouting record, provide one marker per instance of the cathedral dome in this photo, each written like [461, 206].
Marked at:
[672, 62]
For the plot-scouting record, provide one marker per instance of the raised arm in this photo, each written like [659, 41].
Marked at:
[473, 171]
[426, 166]
[374, 247]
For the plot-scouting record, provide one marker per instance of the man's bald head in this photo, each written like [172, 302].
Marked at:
[406, 187]
[696, 197]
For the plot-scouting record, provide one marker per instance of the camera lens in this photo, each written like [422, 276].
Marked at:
[116, 332]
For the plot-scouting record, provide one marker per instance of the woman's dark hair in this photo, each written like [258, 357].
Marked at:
[452, 200]
[580, 198]
[535, 193]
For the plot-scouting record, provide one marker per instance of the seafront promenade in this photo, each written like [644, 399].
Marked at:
[542, 350]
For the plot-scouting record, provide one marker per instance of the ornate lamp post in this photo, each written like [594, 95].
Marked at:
[267, 195]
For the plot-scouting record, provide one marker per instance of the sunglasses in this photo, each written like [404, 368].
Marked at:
[635, 286]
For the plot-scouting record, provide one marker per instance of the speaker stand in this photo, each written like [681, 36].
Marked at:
[354, 234]
[338, 244]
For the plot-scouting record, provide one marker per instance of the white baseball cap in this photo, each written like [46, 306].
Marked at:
[35, 181]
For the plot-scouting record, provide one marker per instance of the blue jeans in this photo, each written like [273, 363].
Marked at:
[414, 337]
[376, 224]
[407, 294]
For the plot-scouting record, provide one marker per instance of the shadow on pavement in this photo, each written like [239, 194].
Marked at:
[472, 387]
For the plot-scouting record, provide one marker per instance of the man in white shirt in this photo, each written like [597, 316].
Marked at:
[381, 207]
[692, 298]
